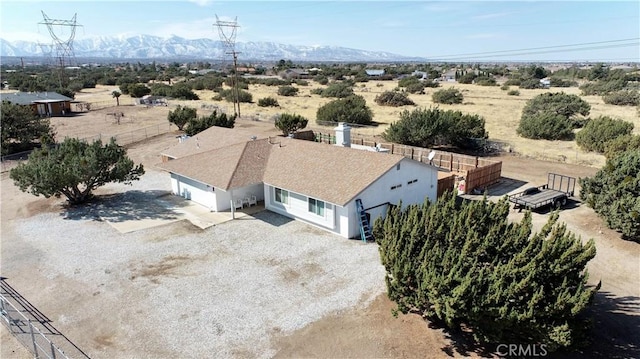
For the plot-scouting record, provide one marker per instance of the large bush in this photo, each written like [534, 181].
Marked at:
[198, 125]
[614, 193]
[74, 169]
[622, 98]
[229, 95]
[21, 129]
[448, 96]
[470, 267]
[393, 98]
[181, 116]
[598, 131]
[268, 102]
[545, 126]
[338, 89]
[287, 91]
[552, 116]
[603, 87]
[290, 123]
[352, 109]
[621, 144]
[429, 127]
[467, 78]
[485, 81]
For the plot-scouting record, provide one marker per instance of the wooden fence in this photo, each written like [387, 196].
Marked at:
[446, 183]
[477, 172]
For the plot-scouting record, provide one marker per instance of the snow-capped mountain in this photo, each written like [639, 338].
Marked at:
[147, 46]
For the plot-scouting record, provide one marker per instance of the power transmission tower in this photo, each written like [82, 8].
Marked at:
[64, 47]
[229, 42]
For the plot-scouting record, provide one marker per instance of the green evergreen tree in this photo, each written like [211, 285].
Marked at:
[467, 265]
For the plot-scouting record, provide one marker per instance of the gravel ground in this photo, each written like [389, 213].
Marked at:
[178, 291]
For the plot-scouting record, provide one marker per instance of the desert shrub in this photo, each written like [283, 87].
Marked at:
[182, 91]
[603, 87]
[558, 82]
[428, 127]
[316, 91]
[549, 107]
[614, 193]
[467, 78]
[197, 125]
[417, 88]
[321, 79]
[351, 109]
[338, 89]
[622, 98]
[302, 82]
[598, 131]
[160, 89]
[485, 81]
[621, 144]
[504, 87]
[430, 84]
[513, 82]
[241, 83]
[513, 93]
[268, 102]
[138, 90]
[409, 80]
[393, 98]
[448, 96]
[287, 91]
[547, 126]
[228, 95]
[290, 123]
[530, 84]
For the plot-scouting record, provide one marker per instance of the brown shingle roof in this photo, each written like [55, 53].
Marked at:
[226, 168]
[210, 139]
[331, 173]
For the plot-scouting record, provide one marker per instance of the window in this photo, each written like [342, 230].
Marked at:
[396, 186]
[412, 181]
[282, 196]
[316, 206]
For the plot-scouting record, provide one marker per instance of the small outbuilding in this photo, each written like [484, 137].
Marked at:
[45, 104]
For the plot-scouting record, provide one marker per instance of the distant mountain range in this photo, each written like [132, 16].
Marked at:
[154, 47]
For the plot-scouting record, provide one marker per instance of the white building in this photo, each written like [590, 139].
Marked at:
[309, 181]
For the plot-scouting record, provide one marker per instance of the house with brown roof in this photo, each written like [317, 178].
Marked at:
[331, 187]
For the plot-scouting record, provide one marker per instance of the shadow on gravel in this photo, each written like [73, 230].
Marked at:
[614, 335]
[272, 218]
[126, 206]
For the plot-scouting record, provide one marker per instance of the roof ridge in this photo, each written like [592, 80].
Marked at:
[244, 150]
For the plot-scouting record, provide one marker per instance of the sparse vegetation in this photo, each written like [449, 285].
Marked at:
[622, 98]
[338, 89]
[513, 93]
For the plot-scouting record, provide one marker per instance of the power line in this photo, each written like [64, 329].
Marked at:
[540, 50]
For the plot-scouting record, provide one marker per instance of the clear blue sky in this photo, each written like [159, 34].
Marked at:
[451, 30]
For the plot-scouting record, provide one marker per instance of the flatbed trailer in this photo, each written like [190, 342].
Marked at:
[555, 193]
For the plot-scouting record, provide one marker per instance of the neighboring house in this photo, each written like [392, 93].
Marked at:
[545, 83]
[304, 180]
[374, 73]
[295, 74]
[43, 103]
[421, 74]
[449, 76]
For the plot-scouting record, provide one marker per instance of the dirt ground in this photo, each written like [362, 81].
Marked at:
[358, 332]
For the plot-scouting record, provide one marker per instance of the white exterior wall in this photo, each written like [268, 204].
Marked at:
[298, 208]
[380, 192]
[216, 200]
[194, 190]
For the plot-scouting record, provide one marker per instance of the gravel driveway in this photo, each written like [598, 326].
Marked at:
[179, 291]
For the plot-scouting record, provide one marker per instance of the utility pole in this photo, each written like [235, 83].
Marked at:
[229, 41]
[64, 47]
